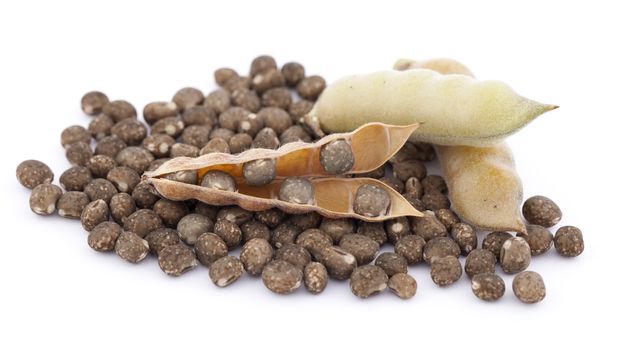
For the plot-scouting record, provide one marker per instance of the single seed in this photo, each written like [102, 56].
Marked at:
[225, 271]
[403, 285]
[75, 178]
[434, 183]
[371, 201]
[393, 182]
[540, 210]
[78, 153]
[215, 145]
[409, 168]
[338, 262]
[31, 173]
[199, 115]
[99, 165]
[232, 117]
[229, 231]
[110, 146]
[142, 221]
[71, 203]
[275, 118]
[363, 248]
[267, 79]
[103, 237]
[234, 214]
[266, 138]
[131, 247]
[435, 201]
[93, 214]
[43, 199]
[196, 135]
[259, 172]
[411, 248]
[221, 75]
[540, 239]
[373, 230]
[246, 99]
[413, 187]
[159, 144]
[314, 240]
[100, 189]
[123, 178]
[528, 287]
[161, 238]
[281, 277]
[261, 64]
[295, 133]
[136, 158]
[74, 133]
[184, 150]
[156, 163]
[428, 226]
[297, 190]
[446, 270]
[188, 97]
[293, 254]
[494, 241]
[218, 100]
[479, 261]
[254, 229]
[122, 205]
[311, 87]
[240, 143]
[336, 157]
[172, 126]
[297, 110]
[93, 102]
[100, 127]
[131, 131]
[465, 236]
[119, 110]
[144, 196]
[315, 277]
[250, 124]
[392, 263]
[156, 111]
[397, 228]
[447, 217]
[170, 211]
[293, 72]
[488, 286]
[569, 241]
[255, 255]
[368, 280]
[209, 248]
[176, 259]
[191, 226]
[210, 211]
[285, 233]
[337, 228]
[276, 97]
[424, 151]
[440, 247]
[219, 180]
[271, 217]
[237, 83]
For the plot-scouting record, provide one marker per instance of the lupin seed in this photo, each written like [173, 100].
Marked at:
[259, 172]
[99, 165]
[368, 280]
[261, 64]
[285, 233]
[215, 145]
[371, 201]
[397, 228]
[144, 196]
[184, 150]
[131, 247]
[136, 158]
[297, 190]
[540, 210]
[78, 153]
[403, 285]
[315, 277]
[488, 286]
[159, 144]
[240, 143]
[411, 248]
[171, 126]
[338, 262]
[540, 239]
[392, 263]
[93, 214]
[170, 211]
[155, 111]
[275, 118]
[271, 217]
[373, 230]
[295, 133]
[294, 254]
[93, 102]
[447, 217]
[225, 271]
[446, 270]
[479, 261]
[255, 254]
[218, 100]
[440, 247]
[142, 221]
[221, 75]
[311, 87]
[103, 237]
[188, 97]
[71, 204]
[119, 110]
[234, 214]
[191, 226]
[267, 79]
[569, 241]
[196, 135]
[337, 228]
[393, 182]
[199, 115]
[176, 259]
[122, 205]
[74, 133]
[75, 178]
[307, 220]
[428, 226]
[123, 178]
[131, 131]
[219, 180]
[43, 199]
[528, 287]
[336, 157]
[363, 248]
[494, 241]
[276, 97]
[161, 238]
[293, 72]
[266, 138]
[314, 240]
[229, 231]
[110, 146]
[100, 126]
[254, 229]
[465, 236]
[221, 133]
[281, 277]
[209, 248]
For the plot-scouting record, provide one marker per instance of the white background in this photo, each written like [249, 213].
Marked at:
[56, 292]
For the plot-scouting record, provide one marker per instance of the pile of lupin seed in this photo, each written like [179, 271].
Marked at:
[265, 109]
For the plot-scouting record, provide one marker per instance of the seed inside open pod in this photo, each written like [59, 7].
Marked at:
[336, 157]
[219, 180]
[259, 172]
[371, 200]
[297, 190]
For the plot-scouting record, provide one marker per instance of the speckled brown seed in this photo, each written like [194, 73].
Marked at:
[142, 221]
[373, 230]
[411, 248]
[70, 204]
[176, 259]
[465, 236]
[240, 143]
[237, 83]
[528, 286]
[396, 229]
[435, 201]
[275, 118]
[494, 241]
[225, 271]
[266, 138]
[93, 102]
[250, 124]
[191, 226]
[130, 247]
[215, 145]
[234, 214]
[78, 153]
[392, 263]
[100, 126]
[229, 231]
[338, 262]
[293, 254]
[210, 211]
[479, 261]
[540, 239]
[196, 135]
[267, 79]
[122, 205]
[311, 87]
[315, 277]
[74, 133]
[43, 199]
[254, 229]
[569, 241]
[297, 190]
[75, 178]
[440, 247]
[409, 168]
[144, 195]
[434, 183]
[413, 187]
[428, 226]
[170, 211]
[221, 133]
[293, 72]
[314, 240]
[276, 97]
[119, 110]
[295, 133]
[281, 277]
[255, 255]
[159, 144]
[259, 172]
[393, 182]
[94, 213]
[136, 158]
[184, 150]
[31, 173]
[103, 237]
[283, 234]
[161, 238]
[371, 201]
[156, 111]
[297, 110]
[231, 118]
[123, 178]
[271, 217]
[199, 115]
[363, 248]
[99, 165]
[261, 64]
[110, 146]
[218, 100]
[209, 248]
[488, 286]
[219, 180]
[246, 99]
[336, 157]
[172, 126]
[540, 210]
[306, 221]
[403, 285]
[447, 217]
[368, 280]
[221, 75]
[446, 270]
[188, 97]
[337, 228]
[131, 131]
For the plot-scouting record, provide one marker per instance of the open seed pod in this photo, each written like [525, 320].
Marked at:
[372, 145]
